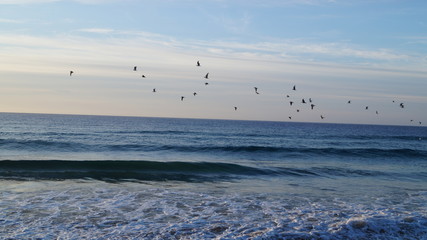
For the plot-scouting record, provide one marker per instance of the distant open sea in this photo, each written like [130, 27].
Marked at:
[101, 177]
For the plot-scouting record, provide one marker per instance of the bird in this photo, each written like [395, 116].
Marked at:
[290, 118]
[366, 108]
[376, 112]
[207, 76]
[349, 101]
[287, 96]
[303, 101]
[143, 76]
[154, 90]
[198, 63]
[310, 100]
[206, 83]
[256, 90]
[294, 88]
[322, 117]
[71, 73]
[235, 108]
[182, 98]
[291, 103]
[401, 105]
[297, 110]
[134, 68]
[312, 106]
[194, 93]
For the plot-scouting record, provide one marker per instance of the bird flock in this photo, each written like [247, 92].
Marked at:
[292, 103]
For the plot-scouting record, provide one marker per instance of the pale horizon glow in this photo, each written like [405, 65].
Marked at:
[333, 51]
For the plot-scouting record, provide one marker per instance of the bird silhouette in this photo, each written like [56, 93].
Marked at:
[366, 108]
[198, 63]
[154, 90]
[294, 88]
[310, 100]
[376, 112]
[206, 83]
[290, 118]
[194, 93]
[235, 108]
[349, 102]
[134, 68]
[207, 76]
[71, 73]
[256, 90]
[303, 101]
[322, 117]
[401, 105]
[312, 106]
[291, 103]
[182, 98]
[143, 76]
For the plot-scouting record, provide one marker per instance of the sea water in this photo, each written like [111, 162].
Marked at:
[101, 177]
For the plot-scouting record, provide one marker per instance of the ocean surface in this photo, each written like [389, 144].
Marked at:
[101, 177]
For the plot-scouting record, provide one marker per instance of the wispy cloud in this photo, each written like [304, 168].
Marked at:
[4, 20]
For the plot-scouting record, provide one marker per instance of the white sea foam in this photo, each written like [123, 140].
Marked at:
[99, 210]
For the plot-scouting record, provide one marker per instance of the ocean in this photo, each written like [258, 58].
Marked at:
[106, 177]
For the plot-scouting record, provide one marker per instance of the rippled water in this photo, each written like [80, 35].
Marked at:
[92, 177]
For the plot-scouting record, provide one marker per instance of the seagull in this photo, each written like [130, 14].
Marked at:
[134, 68]
[290, 118]
[401, 105]
[312, 106]
[256, 90]
[207, 76]
[154, 90]
[303, 101]
[194, 93]
[287, 96]
[206, 83]
[291, 103]
[349, 101]
[366, 108]
[294, 88]
[182, 98]
[235, 108]
[322, 117]
[297, 110]
[71, 73]
[198, 63]
[143, 76]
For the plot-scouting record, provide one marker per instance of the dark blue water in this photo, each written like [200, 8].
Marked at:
[105, 177]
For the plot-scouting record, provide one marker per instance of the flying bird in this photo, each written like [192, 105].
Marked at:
[312, 106]
[310, 100]
[207, 76]
[290, 118]
[366, 108]
[303, 101]
[194, 93]
[154, 90]
[256, 90]
[182, 98]
[294, 88]
[401, 105]
[134, 68]
[291, 103]
[206, 83]
[143, 76]
[198, 63]
[322, 117]
[71, 73]
[235, 108]
[349, 101]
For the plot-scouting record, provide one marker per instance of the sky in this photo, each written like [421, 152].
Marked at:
[372, 53]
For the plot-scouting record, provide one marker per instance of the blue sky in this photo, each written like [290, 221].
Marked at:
[369, 52]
